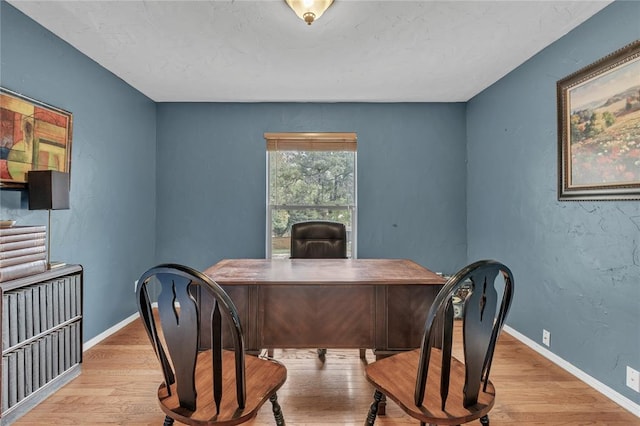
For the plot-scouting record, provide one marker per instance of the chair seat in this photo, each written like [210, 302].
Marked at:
[262, 375]
[395, 376]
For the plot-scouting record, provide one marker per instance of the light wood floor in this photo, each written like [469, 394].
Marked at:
[120, 377]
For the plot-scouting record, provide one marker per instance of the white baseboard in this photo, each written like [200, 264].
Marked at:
[616, 397]
[108, 332]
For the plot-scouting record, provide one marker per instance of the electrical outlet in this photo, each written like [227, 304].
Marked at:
[546, 337]
[633, 379]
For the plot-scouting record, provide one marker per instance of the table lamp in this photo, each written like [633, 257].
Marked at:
[48, 190]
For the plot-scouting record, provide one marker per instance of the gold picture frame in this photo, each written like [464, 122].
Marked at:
[33, 136]
[599, 129]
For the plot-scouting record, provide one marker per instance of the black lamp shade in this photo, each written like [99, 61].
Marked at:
[48, 190]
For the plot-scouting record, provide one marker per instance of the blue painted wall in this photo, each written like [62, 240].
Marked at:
[110, 228]
[411, 178]
[576, 264]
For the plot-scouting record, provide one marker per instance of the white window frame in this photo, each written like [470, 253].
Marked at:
[320, 142]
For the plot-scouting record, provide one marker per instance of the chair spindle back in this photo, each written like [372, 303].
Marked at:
[482, 323]
[177, 345]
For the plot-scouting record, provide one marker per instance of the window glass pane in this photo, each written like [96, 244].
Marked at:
[312, 178]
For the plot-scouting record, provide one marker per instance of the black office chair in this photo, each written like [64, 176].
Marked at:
[203, 386]
[465, 392]
[318, 240]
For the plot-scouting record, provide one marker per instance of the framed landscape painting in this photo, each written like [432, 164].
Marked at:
[33, 136]
[599, 129]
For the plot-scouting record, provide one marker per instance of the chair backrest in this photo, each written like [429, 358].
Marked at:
[318, 239]
[482, 322]
[177, 344]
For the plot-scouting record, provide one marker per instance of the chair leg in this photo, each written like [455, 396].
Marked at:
[363, 353]
[277, 411]
[373, 410]
[322, 352]
[168, 421]
[485, 420]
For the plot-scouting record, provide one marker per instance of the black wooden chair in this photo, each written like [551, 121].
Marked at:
[318, 239]
[428, 383]
[203, 386]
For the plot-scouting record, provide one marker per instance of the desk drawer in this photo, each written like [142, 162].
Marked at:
[407, 308]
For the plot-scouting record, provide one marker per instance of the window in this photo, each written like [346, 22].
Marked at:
[310, 176]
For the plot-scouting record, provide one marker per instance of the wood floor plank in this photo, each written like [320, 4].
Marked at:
[120, 376]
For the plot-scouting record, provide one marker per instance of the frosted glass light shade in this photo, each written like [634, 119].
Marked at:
[309, 10]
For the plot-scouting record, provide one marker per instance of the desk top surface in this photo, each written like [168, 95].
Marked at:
[322, 272]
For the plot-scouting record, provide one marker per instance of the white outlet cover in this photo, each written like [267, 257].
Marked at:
[546, 337]
[633, 379]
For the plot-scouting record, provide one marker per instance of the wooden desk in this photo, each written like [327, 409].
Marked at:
[328, 303]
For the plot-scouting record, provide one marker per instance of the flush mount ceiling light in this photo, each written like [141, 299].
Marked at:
[309, 10]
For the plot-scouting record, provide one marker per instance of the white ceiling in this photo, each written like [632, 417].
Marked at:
[358, 51]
